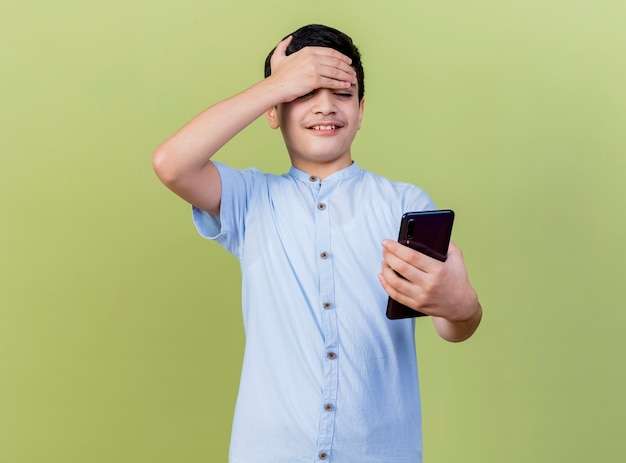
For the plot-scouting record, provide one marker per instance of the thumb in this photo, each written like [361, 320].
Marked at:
[281, 48]
[454, 252]
[280, 52]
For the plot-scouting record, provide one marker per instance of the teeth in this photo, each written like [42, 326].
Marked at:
[324, 127]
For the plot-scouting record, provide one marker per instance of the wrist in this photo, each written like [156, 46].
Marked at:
[472, 310]
[276, 90]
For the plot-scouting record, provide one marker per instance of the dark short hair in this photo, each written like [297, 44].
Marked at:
[317, 35]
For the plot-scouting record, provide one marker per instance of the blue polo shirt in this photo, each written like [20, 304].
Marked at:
[326, 376]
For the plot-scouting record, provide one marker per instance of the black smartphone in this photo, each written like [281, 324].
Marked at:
[429, 233]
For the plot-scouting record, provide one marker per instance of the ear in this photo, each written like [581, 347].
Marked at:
[361, 109]
[272, 117]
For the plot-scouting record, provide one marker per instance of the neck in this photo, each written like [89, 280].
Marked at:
[322, 170]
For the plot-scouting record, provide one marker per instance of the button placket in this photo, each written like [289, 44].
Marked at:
[328, 320]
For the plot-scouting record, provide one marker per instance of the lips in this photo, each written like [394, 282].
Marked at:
[324, 126]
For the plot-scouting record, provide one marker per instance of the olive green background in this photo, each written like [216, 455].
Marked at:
[120, 329]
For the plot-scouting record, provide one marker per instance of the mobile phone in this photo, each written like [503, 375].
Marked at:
[429, 233]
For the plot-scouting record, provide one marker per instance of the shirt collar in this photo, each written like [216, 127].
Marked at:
[347, 172]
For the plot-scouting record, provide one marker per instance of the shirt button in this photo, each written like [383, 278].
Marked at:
[324, 255]
[327, 305]
[331, 355]
[323, 456]
[312, 178]
[321, 206]
[328, 407]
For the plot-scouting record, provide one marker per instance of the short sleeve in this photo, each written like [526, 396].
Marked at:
[227, 229]
[421, 201]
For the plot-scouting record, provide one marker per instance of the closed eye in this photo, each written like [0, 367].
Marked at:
[304, 97]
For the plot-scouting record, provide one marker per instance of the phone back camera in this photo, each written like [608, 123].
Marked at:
[409, 229]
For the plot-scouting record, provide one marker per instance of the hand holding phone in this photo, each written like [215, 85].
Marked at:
[429, 233]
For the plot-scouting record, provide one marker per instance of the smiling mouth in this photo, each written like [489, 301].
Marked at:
[325, 127]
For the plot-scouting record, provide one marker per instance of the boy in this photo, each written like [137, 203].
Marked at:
[326, 376]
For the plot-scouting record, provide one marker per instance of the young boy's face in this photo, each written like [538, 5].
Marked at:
[318, 128]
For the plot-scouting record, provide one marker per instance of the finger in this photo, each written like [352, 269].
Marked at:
[341, 74]
[280, 52]
[400, 266]
[454, 252]
[335, 60]
[333, 84]
[389, 289]
[398, 290]
[328, 62]
[390, 275]
[415, 258]
[406, 254]
[332, 53]
[391, 282]
[281, 48]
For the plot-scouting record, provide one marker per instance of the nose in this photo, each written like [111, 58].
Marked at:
[323, 102]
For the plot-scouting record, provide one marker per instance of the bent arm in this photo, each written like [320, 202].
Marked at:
[183, 162]
[459, 330]
[439, 289]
